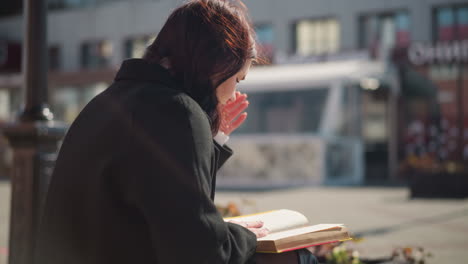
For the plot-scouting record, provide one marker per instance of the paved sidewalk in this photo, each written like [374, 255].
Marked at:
[385, 216]
[4, 219]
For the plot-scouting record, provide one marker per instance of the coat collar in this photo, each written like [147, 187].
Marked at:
[142, 70]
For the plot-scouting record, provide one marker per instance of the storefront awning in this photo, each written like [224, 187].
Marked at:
[415, 84]
[309, 76]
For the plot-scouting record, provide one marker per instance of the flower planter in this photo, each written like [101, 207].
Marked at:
[438, 185]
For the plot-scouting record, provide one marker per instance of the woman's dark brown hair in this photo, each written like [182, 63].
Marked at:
[206, 42]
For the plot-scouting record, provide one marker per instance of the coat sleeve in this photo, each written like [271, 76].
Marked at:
[169, 183]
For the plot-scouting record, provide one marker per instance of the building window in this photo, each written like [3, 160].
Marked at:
[68, 4]
[10, 8]
[285, 111]
[96, 54]
[10, 104]
[385, 29]
[451, 23]
[54, 58]
[10, 57]
[317, 36]
[135, 47]
[4, 105]
[69, 101]
[265, 41]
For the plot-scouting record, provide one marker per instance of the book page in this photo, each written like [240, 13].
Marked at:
[299, 231]
[276, 220]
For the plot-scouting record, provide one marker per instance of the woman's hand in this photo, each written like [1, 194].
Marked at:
[231, 113]
[255, 227]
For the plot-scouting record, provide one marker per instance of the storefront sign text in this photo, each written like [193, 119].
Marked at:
[444, 52]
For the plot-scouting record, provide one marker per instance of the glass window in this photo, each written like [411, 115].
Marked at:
[451, 23]
[369, 31]
[285, 112]
[10, 102]
[374, 119]
[462, 18]
[402, 28]
[3, 53]
[96, 54]
[135, 47]
[320, 36]
[69, 101]
[66, 4]
[10, 8]
[66, 104]
[265, 40]
[387, 29]
[445, 19]
[4, 105]
[54, 58]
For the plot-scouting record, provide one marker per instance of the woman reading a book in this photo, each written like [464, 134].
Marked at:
[135, 178]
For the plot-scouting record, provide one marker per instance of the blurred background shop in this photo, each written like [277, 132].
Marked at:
[354, 92]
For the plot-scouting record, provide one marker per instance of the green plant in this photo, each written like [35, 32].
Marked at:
[341, 255]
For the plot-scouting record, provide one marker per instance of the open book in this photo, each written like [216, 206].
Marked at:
[290, 230]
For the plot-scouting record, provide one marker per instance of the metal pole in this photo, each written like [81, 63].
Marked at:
[392, 124]
[35, 61]
[461, 112]
[34, 139]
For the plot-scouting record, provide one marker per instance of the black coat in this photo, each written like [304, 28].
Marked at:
[134, 181]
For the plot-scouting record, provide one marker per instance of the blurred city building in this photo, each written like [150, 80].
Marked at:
[374, 89]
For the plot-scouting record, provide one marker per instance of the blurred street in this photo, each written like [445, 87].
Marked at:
[384, 216]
